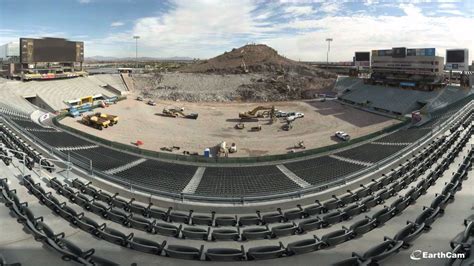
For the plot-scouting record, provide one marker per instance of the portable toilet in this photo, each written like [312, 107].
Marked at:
[207, 153]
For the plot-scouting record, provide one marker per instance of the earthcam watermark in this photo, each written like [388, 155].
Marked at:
[418, 255]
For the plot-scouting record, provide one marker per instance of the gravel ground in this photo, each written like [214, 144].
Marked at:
[192, 87]
[216, 122]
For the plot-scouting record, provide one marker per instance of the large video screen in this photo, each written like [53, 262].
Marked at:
[362, 56]
[51, 50]
[455, 56]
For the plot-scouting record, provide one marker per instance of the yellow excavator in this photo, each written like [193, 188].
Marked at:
[175, 112]
[95, 121]
[112, 118]
[259, 112]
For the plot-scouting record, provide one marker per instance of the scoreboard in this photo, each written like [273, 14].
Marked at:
[457, 59]
[50, 50]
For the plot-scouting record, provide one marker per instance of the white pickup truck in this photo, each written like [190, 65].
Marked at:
[342, 135]
[292, 116]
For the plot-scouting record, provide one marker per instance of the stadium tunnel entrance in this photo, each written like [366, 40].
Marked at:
[38, 102]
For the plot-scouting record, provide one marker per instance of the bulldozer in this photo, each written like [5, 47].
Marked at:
[175, 112]
[112, 118]
[259, 112]
[95, 121]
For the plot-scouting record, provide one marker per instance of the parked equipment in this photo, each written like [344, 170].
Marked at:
[257, 128]
[240, 126]
[175, 112]
[222, 149]
[259, 112]
[95, 121]
[112, 118]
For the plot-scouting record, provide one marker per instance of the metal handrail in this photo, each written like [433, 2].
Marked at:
[292, 194]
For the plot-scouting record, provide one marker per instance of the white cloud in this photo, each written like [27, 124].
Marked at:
[299, 10]
[364, 33]
[117, 24]
[447, 6]
[84, 1]
[198, 27]
[207, 28]
[330, 7]
[411, 10]
[452, 12]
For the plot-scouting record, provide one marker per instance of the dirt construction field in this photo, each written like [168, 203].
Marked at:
[216, 121]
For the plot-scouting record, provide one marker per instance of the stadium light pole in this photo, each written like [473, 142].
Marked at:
[329, 40]
[136, 37]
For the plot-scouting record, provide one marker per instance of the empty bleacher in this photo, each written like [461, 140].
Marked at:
[322, 169]
[60, 139]
[397, 100]
[244, 181]
[371, 153]
[55, 92]
[159, 175]
[104, 158]
[404, 136]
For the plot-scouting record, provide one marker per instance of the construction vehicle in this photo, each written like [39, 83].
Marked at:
[257, 128]
[175, 112]
[112, 118]
[300, 145]
[259, 112]
[95, 121]
[233, 148]
[222, 149]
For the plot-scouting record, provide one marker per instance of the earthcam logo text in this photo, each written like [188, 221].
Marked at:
[418, 255]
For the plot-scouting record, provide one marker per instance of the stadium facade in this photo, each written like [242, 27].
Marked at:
[46, 58]
[405, 67]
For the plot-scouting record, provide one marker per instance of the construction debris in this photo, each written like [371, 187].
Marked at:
[170, 148]
[248, 73]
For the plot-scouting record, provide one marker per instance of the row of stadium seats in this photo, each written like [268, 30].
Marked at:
[463, 243]
[219, 181]
[202, 233]
[19, 148]
[261, 252]
[404, 237]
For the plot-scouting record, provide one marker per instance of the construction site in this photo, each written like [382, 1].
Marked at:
[247, 102]
[217, 123]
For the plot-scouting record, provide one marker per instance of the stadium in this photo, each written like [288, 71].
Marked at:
[122, 194]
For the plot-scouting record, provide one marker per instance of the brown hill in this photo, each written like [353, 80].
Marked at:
[253, 58]
[264, 75]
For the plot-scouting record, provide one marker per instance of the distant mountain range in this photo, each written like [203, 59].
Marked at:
[141, 59]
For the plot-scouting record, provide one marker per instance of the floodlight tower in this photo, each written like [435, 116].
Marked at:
[329, 40]
[136, 37]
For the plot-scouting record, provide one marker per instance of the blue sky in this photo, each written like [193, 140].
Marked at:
[205, 28]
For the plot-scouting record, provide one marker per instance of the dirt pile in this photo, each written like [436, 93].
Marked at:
[270, 77]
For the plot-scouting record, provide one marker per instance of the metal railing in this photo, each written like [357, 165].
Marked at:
[87, 165]
[224, 160]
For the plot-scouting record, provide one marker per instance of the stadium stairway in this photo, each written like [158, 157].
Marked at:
[433, 238]
[247, 244]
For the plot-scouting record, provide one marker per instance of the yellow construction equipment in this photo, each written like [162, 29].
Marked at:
[95, 121]
[175, 112]
[258, 112]
[112, 118]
